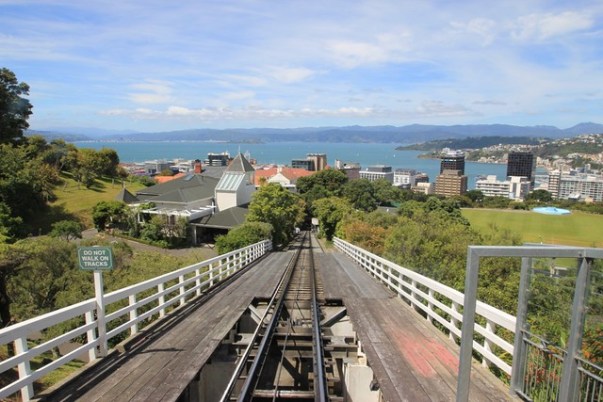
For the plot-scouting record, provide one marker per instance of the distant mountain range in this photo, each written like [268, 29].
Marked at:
[411, 134]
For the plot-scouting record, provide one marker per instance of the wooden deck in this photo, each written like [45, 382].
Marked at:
[411, 359]
[162, 362]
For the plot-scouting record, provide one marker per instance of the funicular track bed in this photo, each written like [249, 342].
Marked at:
[295, 345]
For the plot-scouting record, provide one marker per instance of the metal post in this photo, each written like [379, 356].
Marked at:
[469, 305]
[519, 358]
[569, 381]
[100, 313]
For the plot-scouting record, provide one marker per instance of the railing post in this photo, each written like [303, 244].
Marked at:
[519, 348]
[491, 328]
[198, 281]
[133, 315]
[211, 274]
[430, 305]
[455, 323]
[27, 392]
[91, 335]
[569, 380]
[100, 313]
[161, 302]
[413, 295]
[181, 282]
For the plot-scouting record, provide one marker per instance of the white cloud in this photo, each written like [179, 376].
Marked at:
[251, 112]
[483, 28]
[384, 48]
[440, 109]
[151, 92]
[541, 27]
[289, 75]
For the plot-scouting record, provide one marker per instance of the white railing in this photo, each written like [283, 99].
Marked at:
[439, 303]
[130, 308]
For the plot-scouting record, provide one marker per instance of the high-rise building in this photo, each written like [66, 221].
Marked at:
[522, 164]
[451, 183]
[320, 161]
[577, 187]
[313, 162]
[453, 160]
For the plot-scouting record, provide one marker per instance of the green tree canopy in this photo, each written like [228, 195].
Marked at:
[330, 179]
[539, 196]
[106, 212]
[279, 207]
[66, 230]
[330, 211]
[361, 194]
[246, 234]
[14, 109]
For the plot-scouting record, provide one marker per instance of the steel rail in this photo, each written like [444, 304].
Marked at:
[285, 279]
[254, 371]
[320, 383]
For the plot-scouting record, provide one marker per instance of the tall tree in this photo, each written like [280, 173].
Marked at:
[14, 109]
[280, 208]
[330, 211]
[361, 194]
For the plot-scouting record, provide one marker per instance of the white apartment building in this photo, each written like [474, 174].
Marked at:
[405, 178]
[374, 173]
[579, 187]
[515, 187]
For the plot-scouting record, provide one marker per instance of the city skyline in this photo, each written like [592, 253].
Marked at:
[156, 66]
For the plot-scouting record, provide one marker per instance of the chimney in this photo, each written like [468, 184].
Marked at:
[198, 167]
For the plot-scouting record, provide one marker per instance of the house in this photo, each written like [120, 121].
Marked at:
[285, 176]
[211, 202]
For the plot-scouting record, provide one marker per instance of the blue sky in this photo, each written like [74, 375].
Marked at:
[159, 65]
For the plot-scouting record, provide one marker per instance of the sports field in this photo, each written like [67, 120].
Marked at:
[576, 229]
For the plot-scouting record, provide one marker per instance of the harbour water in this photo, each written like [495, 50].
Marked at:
[283, 152]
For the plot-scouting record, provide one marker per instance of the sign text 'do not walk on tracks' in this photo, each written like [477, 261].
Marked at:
[95, 258]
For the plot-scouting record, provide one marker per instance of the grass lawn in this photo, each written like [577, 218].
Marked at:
[576, 229]
[77, 201]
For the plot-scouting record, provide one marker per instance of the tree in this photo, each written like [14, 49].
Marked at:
[385, 193]
[277, 206]
[10, 226]
[330, 211]
[332, 180]
[26, 183]
[539, 196]
[14, 109]
[66, 230]
[10, 260]
[361, 194]
[476, 196]
[106, 212]
[244, 235]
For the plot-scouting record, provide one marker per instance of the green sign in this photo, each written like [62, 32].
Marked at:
[95, 258]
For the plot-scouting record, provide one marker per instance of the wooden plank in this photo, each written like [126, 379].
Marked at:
[175, 352]
[411, 359]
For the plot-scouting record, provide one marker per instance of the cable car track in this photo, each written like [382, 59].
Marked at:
[285, 357]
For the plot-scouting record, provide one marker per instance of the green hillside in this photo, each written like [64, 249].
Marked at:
[577, 229]
[74, 200]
